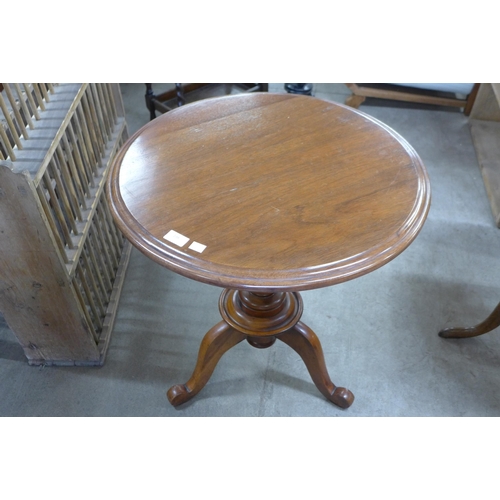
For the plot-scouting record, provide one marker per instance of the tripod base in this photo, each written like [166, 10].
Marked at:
[260, 318]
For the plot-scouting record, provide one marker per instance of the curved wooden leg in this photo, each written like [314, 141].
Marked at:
[305, 342]
[216, 342]
[490, 323]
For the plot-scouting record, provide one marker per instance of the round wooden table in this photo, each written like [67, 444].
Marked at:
[267, 195]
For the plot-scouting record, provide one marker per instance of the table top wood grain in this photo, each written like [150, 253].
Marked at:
[284, 192]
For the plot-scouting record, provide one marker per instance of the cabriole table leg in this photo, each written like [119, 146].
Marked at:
[489, 324]
[307, 345]
[260, 318]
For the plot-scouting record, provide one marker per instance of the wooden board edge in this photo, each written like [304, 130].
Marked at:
[485, 163]
[112, 310]
[109, 319]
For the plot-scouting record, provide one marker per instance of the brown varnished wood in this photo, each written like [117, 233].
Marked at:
[260, 315]
[398, 94]
[305, 342]
[355, 101]
[471, 99]
[260, 319]
[216, 342]
[287, 192]
[489, 324]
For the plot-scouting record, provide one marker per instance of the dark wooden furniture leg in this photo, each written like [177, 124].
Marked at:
[260, 318]
[489, 324]
[181, 99]
[471, 98]
[216, 342]
[149, 101]
[305, 342]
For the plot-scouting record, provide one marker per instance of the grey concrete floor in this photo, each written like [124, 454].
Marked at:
[379, 332]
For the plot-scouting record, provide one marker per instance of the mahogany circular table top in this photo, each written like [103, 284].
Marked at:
[268, 192]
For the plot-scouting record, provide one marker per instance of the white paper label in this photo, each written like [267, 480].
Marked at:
[176, 238]
[197, 247]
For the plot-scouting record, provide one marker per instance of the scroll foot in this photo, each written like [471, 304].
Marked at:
[307, 345]
[216, 342]
[489, 324]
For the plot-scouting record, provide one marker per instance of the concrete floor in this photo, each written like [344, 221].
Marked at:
[379, 332]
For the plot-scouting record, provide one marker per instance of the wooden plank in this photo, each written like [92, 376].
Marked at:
[98, 126]
[38, 95]
[47, 185]
[101, 106]
[6, 144]
[186, 87]
[106, 252]
[116, 96]
[83, 306]
[111, 312]
[56, 209]
[96, 268]
[82, 165]
[43, 88]
[33, 279]
[95, 195]
[110, 225]
[90, 272]
[486, 138]
[84, 139]
[63, 196]
[97, 108]
[90, 123]
[31, 101]
[74, 196]
[10, 123]
[108, 96]
[96, 253]
[159, 106]
[486, 106]
[15, 110]
[355, 101]
[49, 217]
[79, 176]
[471, 99]
[397, 95]
[24, 107]
[39, 149]
[90, 299]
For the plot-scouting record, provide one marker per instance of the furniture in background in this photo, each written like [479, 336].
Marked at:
[62, 259]
[299, 88]
[485, 130]
[486, 326]
[190, 92]
[426, 93]
[266, 195]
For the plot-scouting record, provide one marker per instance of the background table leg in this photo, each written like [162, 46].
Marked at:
[490, 323]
